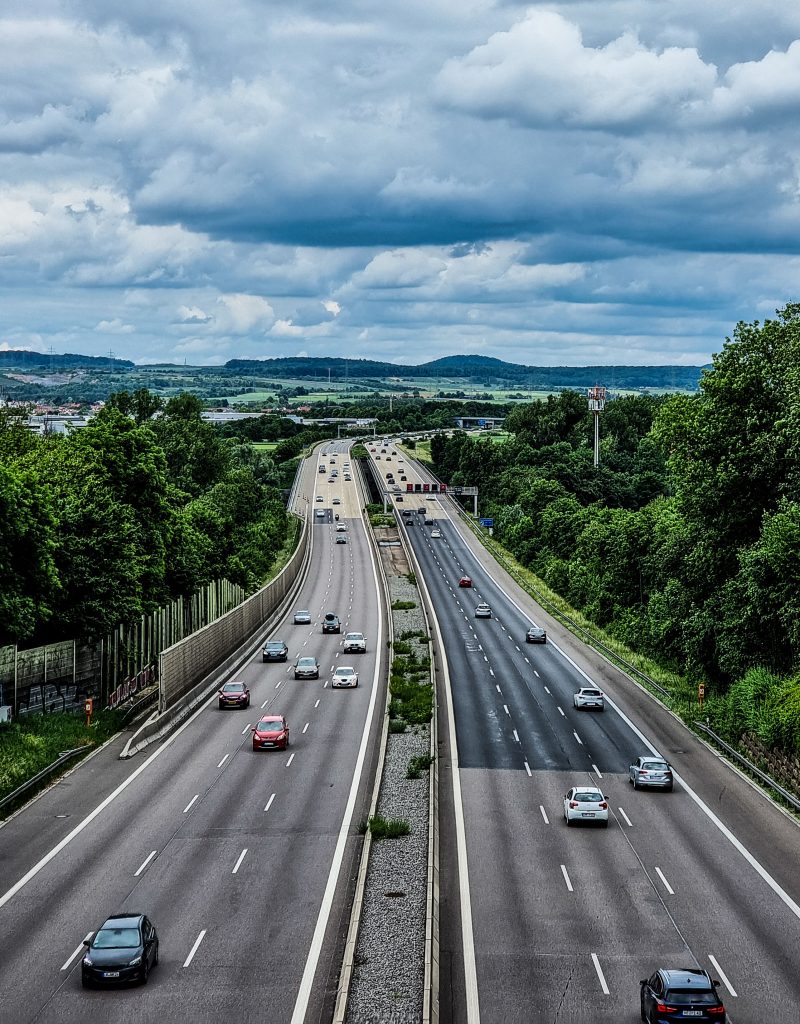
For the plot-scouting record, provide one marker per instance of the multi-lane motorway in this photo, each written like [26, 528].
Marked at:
[565, 921]
[243, 860]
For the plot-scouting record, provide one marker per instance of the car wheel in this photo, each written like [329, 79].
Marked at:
[641, 1005]
[604, 824]
[221, 706]
[317, 676]
[669, 788]
[635, 782]
[86, 983]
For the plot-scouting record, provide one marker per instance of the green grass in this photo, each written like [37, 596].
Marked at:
[418, 765]
[411, 692]
[388, 828]
[265, 446]
[35, 741]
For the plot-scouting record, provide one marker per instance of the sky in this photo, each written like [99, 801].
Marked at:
[577, 183]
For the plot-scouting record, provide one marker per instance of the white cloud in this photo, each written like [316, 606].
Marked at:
[115, 326]
[242, 314]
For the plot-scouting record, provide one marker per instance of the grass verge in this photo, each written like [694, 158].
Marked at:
[388, 828]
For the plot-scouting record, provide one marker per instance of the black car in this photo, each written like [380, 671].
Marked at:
[536, 635]
[331, 624]
[681, 995]
[124, 948]
[275, 650]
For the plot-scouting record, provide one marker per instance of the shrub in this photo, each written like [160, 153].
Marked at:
[388, 828]
[417, 765]
[396, 724]
[401, 606]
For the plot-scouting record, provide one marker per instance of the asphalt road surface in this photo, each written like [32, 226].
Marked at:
[565, 921]
[244, 861]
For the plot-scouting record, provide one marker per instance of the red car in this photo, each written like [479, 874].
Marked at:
[234, 695]
[272, 732]
[465, 581]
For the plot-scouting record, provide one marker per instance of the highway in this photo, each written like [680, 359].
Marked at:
[565, 921]
[244, 861]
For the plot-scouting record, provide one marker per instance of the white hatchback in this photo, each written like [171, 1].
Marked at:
[585, 803]
[589, 697]
[345, 676]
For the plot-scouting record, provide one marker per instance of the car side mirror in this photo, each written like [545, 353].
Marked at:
[87, 942]
[252, 728]
[715, 984]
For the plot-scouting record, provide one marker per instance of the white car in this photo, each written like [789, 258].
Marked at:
[354, 643]
[345, 676]
[341, 528]
[589, 697]
[337, 501]
[483, 611]
[319, 498]
[436, 534]
[320, 512]
[586, 803]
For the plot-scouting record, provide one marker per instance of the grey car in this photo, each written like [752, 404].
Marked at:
[275, 650]
[536, 635]
[302, 617]
[651, 772]
[306, 668]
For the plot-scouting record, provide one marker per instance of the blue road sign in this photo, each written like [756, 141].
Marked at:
[487, 522]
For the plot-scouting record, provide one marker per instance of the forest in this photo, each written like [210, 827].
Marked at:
[684, 543]
[144, 504]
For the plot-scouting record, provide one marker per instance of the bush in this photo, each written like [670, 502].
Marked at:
[417, 765]
[388, 828]
[401, 606]
[412, 578]
[397, 724]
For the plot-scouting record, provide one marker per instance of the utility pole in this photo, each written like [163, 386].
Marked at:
[597, 401]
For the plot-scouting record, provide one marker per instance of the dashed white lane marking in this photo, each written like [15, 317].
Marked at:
[278, 683]
[269, 802]
[238, 863]
[80, 949]
[305, 726]
[667, 886]
[535, 672]
[516, 736]
[561, 711]
[291, 758]
[518, 647]
[597, 771]
[723, 975]
[316, 705]
[145, 862]
[505, 708]
[577, 737]
[528, 660]
[600, 974]
[527, 768]
[485, 658]
[497, 687]
[491, 671]
[265, 704]
[248, 726]
[546, 690]
[194, 948]
[324, 684]
[222, 762]
[628, 821]
[566, 878]
[195, 797]
[544, 814]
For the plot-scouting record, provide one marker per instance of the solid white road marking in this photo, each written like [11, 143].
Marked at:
[291, 758]
[723, 975]
[79, 949]
[625, 816]
[667, 886]
[194, 948]
[600, 974]
[238, 863]
[195, 797]
[306, 726]
[222, 762]
[566, 878]
[145, 862]
[269, 802]
[544, 814]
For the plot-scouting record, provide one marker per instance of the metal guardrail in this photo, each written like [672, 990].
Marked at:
[31, 783]
[767, 779]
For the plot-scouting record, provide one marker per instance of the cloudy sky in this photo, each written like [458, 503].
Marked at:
[550, 183]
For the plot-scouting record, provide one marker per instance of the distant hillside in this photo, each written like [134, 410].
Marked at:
[481, 370]
[23, 359]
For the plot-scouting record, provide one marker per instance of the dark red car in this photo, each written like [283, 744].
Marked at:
[272, 732]
[234, 695]
[465, 581]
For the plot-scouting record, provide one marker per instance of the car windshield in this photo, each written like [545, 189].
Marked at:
[233, 688]
[591, 693]
[588, 797]
[345, 671]
[684, 996]
[307, 662]
[275, 645]
[272, 726]
[116, 938]
[655, 766]
[354, 636]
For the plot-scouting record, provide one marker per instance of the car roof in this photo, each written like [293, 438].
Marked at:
[587, 789]
[270, 718]
[123, 921]
[687, 977]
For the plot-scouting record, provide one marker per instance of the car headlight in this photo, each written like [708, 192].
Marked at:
[87, 960]
[135, 962]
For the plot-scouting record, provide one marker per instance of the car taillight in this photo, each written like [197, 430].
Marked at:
[573, 804]
[716, 1010]
[643, 771]
[604, 805]
[663, 1008]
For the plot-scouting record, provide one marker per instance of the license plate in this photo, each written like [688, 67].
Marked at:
[110, 974]
[692, 1013]
[588, 814]
[267, 743]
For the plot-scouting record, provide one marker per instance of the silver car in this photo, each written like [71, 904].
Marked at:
[589, 697]
[302, 617]
[651, 773]
[483, 611]
[306, 668]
